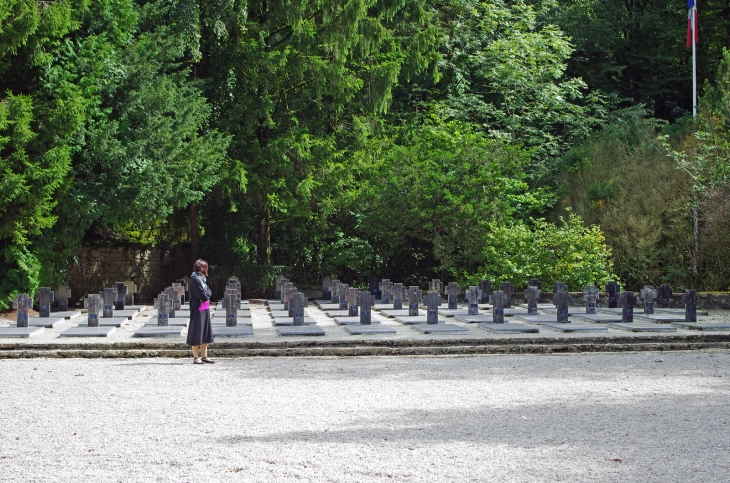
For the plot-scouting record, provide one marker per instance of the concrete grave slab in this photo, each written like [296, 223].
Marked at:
[175, 322]
[289, 321]
[540, 306]
[301, 330]
[508, 328]
[329, 306]
[352, 320]
[606, 310]
[576, 327]
[21, 332]
[47, 322]
[110, 322]
[285, 313]
[642, 327]
[702, 325]
[129, 314]
[512, 311]
[67, 314]
[395, 313]
[417, 320]
[237, 331]
[599, 318]
[475, 319]
[660, 318]
[157, 331]
[369, 329]
[338, 313]
[679, 311]
[221, 321]
[440, 328]
[84, 331]
[539, 319]
[453, 312]
[571, 310]
[277, 307]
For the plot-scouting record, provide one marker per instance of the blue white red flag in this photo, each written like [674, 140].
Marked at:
[692, 23]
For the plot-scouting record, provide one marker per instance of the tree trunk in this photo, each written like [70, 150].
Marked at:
[264, 245]
[193, 233]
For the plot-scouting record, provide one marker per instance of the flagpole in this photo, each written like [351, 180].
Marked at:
[693, 21]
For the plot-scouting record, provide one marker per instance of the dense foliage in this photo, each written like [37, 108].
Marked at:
[409, 138]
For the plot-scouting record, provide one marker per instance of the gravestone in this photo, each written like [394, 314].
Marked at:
[508, 290]
[414, 298]
[22, 303]
[648, 294]
[664, 296]
[398, 292]
[184, 285]
[280, 288]
[173, 295]
[178, 287]
[374, 286]
[277, 286]
[453, 291]
[612, 289]
[326, 281]
[163, 304]
[297, 303]
[121, 290]
[436, 286]
[62, 294]
[497, 307]
[93, 304]
[485, 286]
[535, 282]
[690, 299]
[431, 300]
[352, 299]
[231, 304]
[590, 295]
[131, 290]
[628, 300]
[367, 300]
[334, 291]
[289, 290]
[385, 288]
[109, 297]
[343, 295]
[45, 299]
[532, 296]
[561, 299]
[233, 283]
[473, 296]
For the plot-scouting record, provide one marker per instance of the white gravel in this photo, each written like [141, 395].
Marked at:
[648, 417]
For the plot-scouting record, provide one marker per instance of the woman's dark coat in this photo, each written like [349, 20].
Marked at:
[200, 330]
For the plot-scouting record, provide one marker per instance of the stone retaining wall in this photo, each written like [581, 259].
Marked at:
[152, 268]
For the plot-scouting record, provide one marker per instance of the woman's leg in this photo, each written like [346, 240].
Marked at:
[204, 350]
[195, 351]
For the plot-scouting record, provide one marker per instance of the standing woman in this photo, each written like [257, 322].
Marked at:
[200, 330]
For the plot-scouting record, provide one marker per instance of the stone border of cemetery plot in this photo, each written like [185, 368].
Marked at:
[350, 348]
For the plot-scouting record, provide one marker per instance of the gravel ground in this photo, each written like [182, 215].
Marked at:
[648, 417]
[265, 332]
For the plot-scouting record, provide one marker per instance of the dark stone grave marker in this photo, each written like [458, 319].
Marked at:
[63, 293]
[334, 291]
[352, 301]
[386, 287]
[343, 295]
[163, 304]
[326, 281]
[131, 290]
[628, 301]
[297, 303]
[93, 304]
[485, 286]
[367, 300]
[473, 296]
[278, 285]
[121, 290]
[374, 286]
[561, 299]
[45, 299]
[612, 289]
[414, 298]
[453, 291]
[22, 303]
[590, 295]
[532, 296]
[498, 307]
[173, 295]
[180, 289]
[109, 297]
[535, 282]
[665, 296]
[508, 291]
[690, 299]
[231, 304]
[398, 293]
[431, 300]
[648, 294]
[436, 286]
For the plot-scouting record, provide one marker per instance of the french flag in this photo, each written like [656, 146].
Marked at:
[692, 23]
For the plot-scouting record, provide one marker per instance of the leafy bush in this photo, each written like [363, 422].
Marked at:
[19, 273]
[565, 252]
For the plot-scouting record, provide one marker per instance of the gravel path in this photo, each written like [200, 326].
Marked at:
[648, 417]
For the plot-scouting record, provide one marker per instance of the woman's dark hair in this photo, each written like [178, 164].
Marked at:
[201, 266]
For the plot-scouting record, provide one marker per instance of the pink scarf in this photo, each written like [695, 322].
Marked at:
[204, 306]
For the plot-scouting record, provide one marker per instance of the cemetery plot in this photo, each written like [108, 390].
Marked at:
[173, 322]
[705, 325]
[21, 332]
[541, 307]
[365, 323]
[22, 303]
[576, 327]
[86, 331]
[474, 319]
[642, 327]
[433, 325]
[352, 320]
[678, 311]
[660, 318]
[571, 310]
[241, 330]
[440, 328]
[453, 312]
[46, 322]
[390, 313]
[94, 304]
[164, 304]
[313, 330]
[599, 318]
[375, 328]
[416, 319]
[508, 328]
[540, 319]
